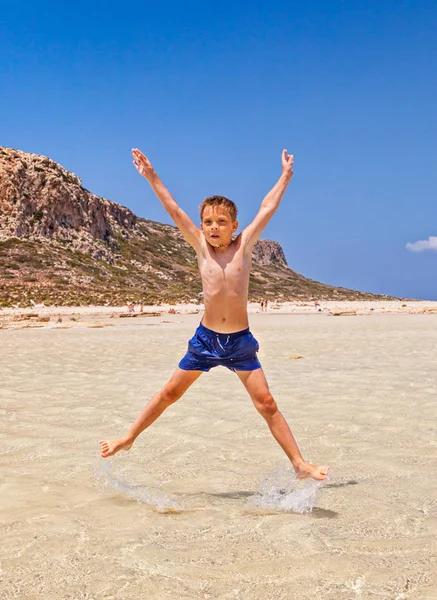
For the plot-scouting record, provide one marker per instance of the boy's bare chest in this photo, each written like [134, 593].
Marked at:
[232, 268]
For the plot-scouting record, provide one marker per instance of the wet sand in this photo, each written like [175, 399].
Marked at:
[175, 517]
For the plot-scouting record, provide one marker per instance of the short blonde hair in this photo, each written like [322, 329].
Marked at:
[220, 201]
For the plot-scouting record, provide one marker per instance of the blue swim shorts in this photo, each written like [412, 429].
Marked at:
[207, 349]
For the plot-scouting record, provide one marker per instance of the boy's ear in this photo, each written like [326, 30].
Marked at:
[235, 226]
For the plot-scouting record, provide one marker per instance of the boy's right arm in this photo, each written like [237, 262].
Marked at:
[186, 226]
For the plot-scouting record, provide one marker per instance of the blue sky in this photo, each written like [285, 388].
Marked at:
[212, 93]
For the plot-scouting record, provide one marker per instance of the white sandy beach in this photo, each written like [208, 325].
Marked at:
[184, 514]
[62, 317]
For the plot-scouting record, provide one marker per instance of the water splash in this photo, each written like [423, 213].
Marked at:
[357, 586]
[282, 490]
[111, 474]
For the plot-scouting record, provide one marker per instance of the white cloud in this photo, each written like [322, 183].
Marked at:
[422, 245]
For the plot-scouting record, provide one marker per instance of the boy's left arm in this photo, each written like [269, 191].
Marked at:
[270, 203]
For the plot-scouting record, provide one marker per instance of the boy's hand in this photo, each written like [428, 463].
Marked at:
[142, 164]
[287, 163]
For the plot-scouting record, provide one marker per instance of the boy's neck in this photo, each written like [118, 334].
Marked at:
[222, 247]
[225, 245]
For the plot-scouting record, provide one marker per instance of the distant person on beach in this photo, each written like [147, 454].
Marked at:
[223, 336]
[266, 305]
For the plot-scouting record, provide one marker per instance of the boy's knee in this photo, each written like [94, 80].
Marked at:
[266, 405]
[169, 394]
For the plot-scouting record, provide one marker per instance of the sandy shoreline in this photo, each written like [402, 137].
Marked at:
[175, 517]
[104, 316]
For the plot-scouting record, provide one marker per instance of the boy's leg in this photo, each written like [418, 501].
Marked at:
[178, 384]
[257, 386]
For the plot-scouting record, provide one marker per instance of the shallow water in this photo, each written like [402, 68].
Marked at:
[277, 491]
[204, 505]
[151, 492]
[282, 491]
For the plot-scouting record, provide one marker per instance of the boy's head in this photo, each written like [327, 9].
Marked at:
[219, 201]
[218, 217]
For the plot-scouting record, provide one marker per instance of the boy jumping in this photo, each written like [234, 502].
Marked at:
[223, 337]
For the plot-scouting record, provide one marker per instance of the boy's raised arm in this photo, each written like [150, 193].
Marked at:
[270, 203]
[186, 226]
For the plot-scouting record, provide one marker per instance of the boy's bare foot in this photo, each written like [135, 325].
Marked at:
[305, 470]
[110, 447]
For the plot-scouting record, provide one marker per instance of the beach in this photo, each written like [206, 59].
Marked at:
[204, 506]
[62, 317]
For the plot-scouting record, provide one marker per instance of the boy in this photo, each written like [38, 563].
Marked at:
[223, 337]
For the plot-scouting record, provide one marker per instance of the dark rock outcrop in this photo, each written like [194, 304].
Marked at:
[267, 252]
[39, 199]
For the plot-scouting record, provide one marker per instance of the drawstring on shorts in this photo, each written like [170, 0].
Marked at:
[219, 342]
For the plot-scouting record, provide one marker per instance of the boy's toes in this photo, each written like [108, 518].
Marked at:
[104, 448]
[324, 472]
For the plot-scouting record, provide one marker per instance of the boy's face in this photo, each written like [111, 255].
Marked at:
[217, 225]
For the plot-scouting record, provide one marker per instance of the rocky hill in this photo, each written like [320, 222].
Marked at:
[61, 244]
